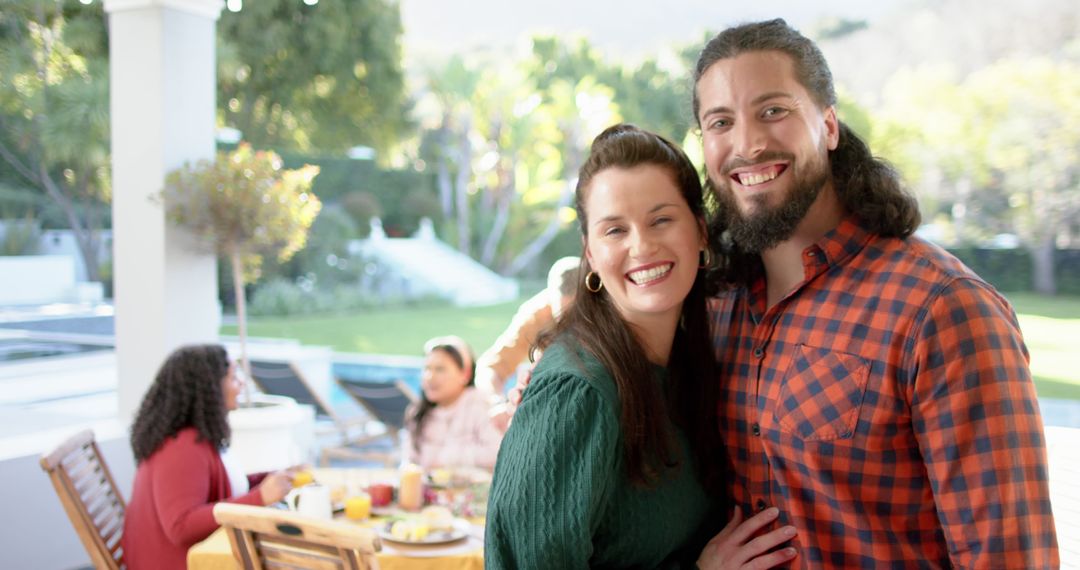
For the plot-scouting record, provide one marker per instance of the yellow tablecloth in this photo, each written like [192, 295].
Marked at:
[214, 553]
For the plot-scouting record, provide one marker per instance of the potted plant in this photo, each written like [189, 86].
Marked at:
[244, 206]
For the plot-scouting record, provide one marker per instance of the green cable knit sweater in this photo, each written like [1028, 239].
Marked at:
[560, 497]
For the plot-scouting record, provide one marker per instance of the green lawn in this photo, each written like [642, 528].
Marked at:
[391, 331]
[1051, 328]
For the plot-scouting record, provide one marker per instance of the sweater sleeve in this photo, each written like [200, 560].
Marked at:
[553, 478]
[183, 489]
[486, 437]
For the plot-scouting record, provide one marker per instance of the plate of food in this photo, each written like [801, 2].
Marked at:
[433, 525]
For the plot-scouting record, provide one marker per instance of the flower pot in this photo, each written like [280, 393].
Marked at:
[273, 432]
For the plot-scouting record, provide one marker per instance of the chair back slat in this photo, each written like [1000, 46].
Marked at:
[283, 379]
[243, 547]
[274, 553]
[89, 496]
[387, 401]
[271, 538]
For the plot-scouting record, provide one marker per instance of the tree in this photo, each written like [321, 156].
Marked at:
[507, 154]
[54, 101]
[580, 111]
[452, 87]
[244, 206]
[1033, 145]
[647, 94]
[323, 78]
[1002, 147]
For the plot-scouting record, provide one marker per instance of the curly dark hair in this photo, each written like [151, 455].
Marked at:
[186, 393]
[867, 186]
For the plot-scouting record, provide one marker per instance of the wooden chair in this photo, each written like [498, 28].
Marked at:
[262, 537]
[90, 497]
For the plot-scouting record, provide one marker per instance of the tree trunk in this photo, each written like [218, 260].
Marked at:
[1042, 265]
[446, 189]
[461, 186]
[241, 316]
[84, 237]
[502, 218]
[534, 249]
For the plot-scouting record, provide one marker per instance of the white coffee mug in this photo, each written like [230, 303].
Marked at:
[312, 500]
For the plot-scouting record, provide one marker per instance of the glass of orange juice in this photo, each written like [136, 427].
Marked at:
[302, 478]
[410, 489]
[358, 507]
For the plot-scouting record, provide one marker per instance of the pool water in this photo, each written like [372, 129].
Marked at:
[15, 349]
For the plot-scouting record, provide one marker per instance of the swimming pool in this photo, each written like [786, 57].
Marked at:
[15, 349]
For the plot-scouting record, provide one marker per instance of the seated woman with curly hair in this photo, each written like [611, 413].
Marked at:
[180, 439]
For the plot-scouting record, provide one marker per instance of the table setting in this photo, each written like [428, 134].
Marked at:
[424, 520]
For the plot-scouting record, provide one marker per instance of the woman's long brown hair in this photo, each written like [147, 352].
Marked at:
[593, 323]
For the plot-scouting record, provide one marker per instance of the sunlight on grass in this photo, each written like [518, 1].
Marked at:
[1051, 326]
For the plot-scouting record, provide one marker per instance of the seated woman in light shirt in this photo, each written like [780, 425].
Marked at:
[450, 426]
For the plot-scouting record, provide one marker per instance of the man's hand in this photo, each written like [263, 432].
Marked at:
[736, 547]
[513, 397]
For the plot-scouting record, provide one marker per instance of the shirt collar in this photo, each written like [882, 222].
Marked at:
[840, 243]
[835, 247]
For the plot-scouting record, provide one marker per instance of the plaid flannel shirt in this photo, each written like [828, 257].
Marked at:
[885, 405]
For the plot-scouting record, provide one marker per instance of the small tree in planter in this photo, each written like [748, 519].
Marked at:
[244, 206]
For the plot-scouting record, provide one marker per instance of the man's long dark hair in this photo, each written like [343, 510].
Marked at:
[187, 392]
[866, 186]
[593, 323]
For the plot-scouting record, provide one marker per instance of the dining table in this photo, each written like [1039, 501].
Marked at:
[215, 552]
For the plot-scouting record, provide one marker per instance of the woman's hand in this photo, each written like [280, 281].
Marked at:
[275, 486]
[737, 546]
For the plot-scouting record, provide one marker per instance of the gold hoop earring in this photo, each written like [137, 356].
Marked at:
[588, 285]
[705, 258]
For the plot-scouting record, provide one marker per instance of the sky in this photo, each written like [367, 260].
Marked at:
[624, 29]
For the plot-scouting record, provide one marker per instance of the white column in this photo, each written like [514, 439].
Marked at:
[162, 88]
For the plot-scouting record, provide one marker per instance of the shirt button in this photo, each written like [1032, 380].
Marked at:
[756, 429]
[760, 505]
[758, 352]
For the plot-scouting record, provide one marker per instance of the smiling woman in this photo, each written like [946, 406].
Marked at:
[611, 457]
[644, 243]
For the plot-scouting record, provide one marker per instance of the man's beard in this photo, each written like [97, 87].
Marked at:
[767, 226]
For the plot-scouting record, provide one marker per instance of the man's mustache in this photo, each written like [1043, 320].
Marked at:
[767, 156]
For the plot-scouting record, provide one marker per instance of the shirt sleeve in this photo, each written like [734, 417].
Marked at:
[977, 420]
[408, 438]
[553, 477]
[182, 491]
[486, 438]
[512, 347]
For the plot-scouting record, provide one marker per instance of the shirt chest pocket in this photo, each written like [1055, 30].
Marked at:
[822, 393]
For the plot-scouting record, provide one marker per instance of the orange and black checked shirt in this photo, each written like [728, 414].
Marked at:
[886, 407]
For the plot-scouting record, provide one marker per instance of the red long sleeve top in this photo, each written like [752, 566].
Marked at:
[173, 499]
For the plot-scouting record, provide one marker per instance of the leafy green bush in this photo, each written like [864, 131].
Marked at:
[1009, 270]
[361, 207]
[281, 297]
[21, 237]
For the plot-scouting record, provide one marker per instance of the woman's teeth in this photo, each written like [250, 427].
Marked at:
[647, 275]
